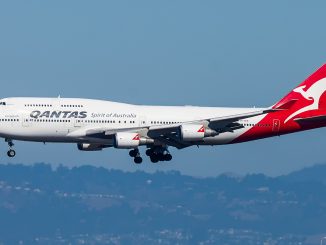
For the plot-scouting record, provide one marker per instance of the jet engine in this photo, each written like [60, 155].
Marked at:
[124, 140]
[192, 132]
[128, 140]
[195, 132]
[89, 147]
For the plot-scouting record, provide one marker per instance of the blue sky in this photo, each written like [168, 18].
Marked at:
[207, 53]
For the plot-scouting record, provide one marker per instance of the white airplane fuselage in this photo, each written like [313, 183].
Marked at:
[56, 119]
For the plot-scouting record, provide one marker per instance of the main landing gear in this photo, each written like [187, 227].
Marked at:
[136, 155]
[10, 152]
[156, 154]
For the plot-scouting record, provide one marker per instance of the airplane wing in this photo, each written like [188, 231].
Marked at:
[168, 134]
[237, 117]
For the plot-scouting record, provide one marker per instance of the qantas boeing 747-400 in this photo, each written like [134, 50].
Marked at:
[96, 124]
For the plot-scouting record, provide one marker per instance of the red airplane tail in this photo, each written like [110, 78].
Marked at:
[302, 109]
[306, 101]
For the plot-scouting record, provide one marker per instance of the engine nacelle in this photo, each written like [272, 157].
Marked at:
[195, 132]
[192, 132]
[124, 140]
[89, 147]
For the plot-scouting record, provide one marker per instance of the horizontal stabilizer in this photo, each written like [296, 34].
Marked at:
[315, 119]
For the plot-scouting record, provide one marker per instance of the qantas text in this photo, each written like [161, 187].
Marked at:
[58, 114]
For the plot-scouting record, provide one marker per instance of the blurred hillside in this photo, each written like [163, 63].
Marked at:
[88, 205]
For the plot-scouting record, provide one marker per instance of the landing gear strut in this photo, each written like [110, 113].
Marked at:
[136, 155]
[11, 152]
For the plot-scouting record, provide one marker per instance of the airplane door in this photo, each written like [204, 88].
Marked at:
[26, 121]
[78, 123]
[142, 121]
[276, 125]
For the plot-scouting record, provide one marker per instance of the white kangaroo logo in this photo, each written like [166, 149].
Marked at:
[313, 93]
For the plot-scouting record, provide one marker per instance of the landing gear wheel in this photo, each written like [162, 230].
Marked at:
[167, 157]
[134, 152]
[138, 160]
[149, 152]
[154, 158]
[11, 153]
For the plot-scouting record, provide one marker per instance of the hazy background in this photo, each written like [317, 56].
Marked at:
[207, 53]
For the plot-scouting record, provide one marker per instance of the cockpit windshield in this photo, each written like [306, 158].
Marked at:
[3, 103]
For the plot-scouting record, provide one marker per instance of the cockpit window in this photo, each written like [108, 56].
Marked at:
[2, 103]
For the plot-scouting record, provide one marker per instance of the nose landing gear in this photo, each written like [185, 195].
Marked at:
[11, 152]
